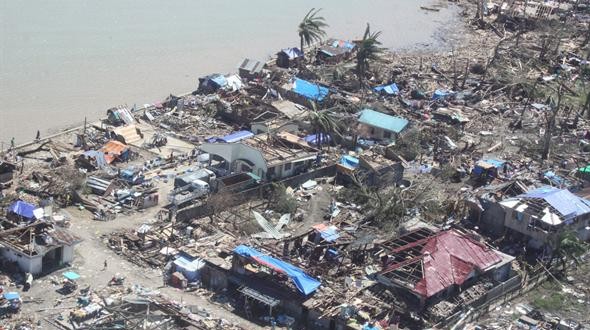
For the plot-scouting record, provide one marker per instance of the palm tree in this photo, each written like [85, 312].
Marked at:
[568, 247]
[311, 28]
[368, 50]
[323, 123]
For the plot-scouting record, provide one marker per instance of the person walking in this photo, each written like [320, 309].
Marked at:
[105, 265]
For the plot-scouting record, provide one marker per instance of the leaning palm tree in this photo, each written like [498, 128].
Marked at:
[369, 50]
[323, 123]
[311, 28]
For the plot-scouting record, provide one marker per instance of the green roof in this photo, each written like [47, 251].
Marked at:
[383, 121]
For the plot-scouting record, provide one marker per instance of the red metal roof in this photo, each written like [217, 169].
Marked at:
[449, 258]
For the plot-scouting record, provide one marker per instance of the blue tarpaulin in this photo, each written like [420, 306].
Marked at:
[383, 121]
[71, 276]
[11, 296]
[566, 203]
[343, 44]
[485, 164]
[292, 53]
[439, 94]
[387, 89]
[237, 136]
[349, 161]
[328, 232]
[189, 268]
[304, 283]
[556, 179]
[313, 139]
[23, 209]
[310, 91]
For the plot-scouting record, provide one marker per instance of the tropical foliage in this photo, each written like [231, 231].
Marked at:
[311, 28]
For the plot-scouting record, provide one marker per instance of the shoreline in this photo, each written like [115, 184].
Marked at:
[418, 48]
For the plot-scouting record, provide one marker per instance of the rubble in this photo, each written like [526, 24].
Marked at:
[420, 192]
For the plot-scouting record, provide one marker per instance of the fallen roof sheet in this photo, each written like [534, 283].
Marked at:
[113, 149]
[304, 283]
[23, 209]
[71, 276]
[328, 232]
[383, 121]
[391, 89]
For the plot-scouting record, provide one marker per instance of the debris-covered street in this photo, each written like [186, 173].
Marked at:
[339, 185]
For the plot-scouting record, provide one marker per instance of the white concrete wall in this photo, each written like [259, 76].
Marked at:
[33, 265]
[234, 151]
[67, 254]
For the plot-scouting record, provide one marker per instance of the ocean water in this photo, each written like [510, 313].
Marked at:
[61, 61]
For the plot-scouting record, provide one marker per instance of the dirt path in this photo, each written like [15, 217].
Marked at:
[89, 263]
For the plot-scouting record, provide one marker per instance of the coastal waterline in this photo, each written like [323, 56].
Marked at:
[66, 60]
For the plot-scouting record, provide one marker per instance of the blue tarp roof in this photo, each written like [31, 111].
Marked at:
[292, 52]
[313, 138]
[387, 89]
[309, 90]
[497, 163]
[237, 136]
[384, 121]
[562, 200]
[11, 295]
[71, 276]
[556, 179]
[304, 283]
[349, 161]
[343, 44]
[23, 209]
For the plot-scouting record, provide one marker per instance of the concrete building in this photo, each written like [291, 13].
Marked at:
[264, 158]
[38, 248]
[380, 126]
[542, 214]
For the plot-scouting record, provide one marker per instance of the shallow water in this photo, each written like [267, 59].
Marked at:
[63, 60]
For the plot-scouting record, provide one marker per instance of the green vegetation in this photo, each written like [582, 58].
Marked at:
[280, 201]
[311, 28]
[369, 50]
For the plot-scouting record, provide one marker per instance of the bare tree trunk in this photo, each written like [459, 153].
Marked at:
[551, 126]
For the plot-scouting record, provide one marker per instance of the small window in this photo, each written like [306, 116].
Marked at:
[288, 166]
[387, 135]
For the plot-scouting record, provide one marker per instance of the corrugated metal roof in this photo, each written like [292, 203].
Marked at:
[252, 66]
[562, 200]
[383, 121]
[113, 149]
[449, 259]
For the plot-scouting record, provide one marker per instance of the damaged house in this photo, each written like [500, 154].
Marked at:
[542, 214]
[380, 126]
[289, 57]
[430, 267]
[335, 51]
[38, 248]
[266, 157]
